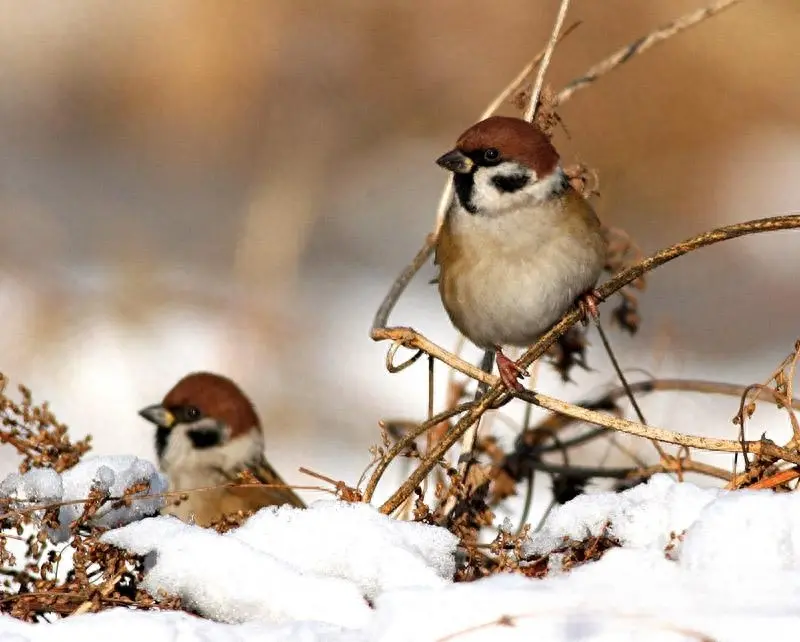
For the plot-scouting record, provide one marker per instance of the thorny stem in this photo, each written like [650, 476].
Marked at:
[497, 391]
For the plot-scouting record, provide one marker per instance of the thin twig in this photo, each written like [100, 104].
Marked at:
[641, 45]
[401, 283]
[776, 480]
[533, 104]
[528, 502]
[625, 385]
[471, 436]
[404, 443]
[763, 447]
[105, 591]
[670, 465]
[505, 621]
[654, 385]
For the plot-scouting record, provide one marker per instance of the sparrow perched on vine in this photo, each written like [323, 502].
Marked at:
[207, 432]
[519, 245]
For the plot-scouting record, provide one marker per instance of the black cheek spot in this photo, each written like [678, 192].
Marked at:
[464, 184]
[512, 183]
[162, 436]
[203, 438]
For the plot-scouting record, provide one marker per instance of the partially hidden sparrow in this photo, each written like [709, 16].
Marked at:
[519, 245]
[207, 432]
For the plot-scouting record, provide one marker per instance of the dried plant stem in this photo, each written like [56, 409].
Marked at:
[763, 447]
[410, 338]
[533, 103]
[669, 465]
[641, 45]
[401, 283]
[702, 386]
[776, 480]
[519, 80]
[469, 439]
[107, 589]
[655, 385]
[405, 442]
[625, 385]
[498, 392]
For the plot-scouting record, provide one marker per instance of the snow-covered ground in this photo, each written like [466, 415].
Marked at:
[693, 564]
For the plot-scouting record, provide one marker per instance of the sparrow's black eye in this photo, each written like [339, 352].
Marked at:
[191, 413]
[491, 154]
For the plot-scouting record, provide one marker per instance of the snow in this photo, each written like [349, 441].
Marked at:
[229, 581]
[754, 530]
[390, 554]
[694, 563]
[642, 517]
[333, 554]
[40, 485]
[122, 625]
[112, 474]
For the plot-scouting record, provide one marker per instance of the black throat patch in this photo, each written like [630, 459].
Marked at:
[464, 183]
[162, 436]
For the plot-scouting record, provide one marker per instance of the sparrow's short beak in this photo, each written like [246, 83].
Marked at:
[158, 415]
[456, 162]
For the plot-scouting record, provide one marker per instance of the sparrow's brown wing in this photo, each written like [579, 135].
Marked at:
[276, 494]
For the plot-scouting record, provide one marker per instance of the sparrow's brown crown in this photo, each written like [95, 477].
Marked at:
[214, 396]
[515, 140]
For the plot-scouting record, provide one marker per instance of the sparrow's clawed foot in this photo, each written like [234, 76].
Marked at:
[510, 372]
[587, 304]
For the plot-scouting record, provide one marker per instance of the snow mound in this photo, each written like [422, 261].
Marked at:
[112, 474]
[390, 554]
[286, 564]
[642, 517]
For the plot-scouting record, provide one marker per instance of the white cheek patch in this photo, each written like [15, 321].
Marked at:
[489, 200]
[181, 461]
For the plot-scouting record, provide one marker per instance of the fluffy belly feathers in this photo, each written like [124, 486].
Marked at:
[511, 298]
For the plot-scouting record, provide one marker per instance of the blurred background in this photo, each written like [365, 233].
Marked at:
[234, 185]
